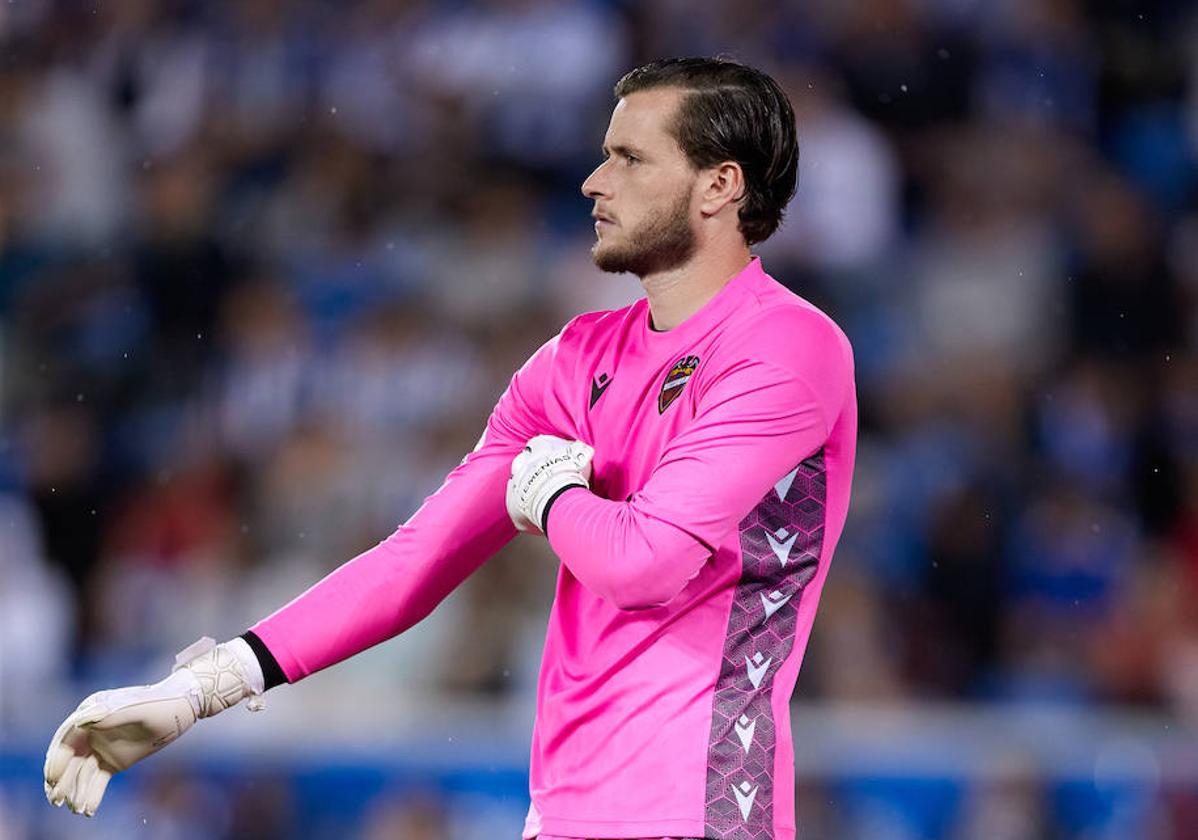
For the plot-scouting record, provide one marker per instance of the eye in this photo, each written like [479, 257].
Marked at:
[631, 159]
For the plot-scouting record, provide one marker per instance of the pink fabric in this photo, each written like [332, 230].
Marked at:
[649, 624]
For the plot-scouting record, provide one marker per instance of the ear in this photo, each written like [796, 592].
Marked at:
[721, 185]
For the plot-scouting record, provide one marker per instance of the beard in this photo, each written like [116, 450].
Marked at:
[665, 241]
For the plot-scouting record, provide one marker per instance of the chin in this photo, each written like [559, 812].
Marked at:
[600, 253]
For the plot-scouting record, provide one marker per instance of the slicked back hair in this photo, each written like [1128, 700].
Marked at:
[732, 112]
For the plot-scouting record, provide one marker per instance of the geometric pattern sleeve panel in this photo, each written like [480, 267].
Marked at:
[780, 542]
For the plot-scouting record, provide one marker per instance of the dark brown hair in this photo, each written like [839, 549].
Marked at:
[732, 112]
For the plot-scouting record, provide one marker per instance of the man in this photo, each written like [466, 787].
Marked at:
[689, 458]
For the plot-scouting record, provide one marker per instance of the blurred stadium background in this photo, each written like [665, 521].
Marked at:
[265, 267]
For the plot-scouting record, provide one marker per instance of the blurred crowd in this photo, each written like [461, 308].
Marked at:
[265, 266]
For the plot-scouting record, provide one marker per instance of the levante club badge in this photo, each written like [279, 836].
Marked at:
[676, 379]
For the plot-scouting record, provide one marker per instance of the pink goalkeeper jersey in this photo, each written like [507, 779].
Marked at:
[690, 573]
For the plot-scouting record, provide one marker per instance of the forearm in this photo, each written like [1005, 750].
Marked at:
[390, 587]
[620, 552]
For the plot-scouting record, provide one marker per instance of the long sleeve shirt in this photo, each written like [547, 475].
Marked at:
[690, 569]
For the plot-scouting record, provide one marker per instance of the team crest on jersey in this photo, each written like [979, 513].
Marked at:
[676, 379]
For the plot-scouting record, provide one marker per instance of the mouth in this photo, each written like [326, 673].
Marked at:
[602, 219]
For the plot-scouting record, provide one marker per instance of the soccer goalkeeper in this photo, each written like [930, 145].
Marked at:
[688, 458]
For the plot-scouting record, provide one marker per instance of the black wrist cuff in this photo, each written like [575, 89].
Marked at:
[549, 504]
[272, 674]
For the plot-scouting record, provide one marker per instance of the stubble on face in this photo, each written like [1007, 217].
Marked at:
[664, 241]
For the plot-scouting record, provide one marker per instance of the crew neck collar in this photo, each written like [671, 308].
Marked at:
[723, 302]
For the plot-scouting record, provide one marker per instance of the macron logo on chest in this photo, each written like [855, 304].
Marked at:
[598, 386]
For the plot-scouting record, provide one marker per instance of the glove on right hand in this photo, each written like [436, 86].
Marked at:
[545, 467]
[112, 730]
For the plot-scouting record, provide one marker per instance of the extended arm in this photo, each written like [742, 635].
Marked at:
[373, 597]
[390, 587]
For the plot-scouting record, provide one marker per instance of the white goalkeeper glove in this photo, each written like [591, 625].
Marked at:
[113, 730]
[546, 467]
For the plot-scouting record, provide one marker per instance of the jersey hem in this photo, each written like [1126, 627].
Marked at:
[561, 827]
[627, 828]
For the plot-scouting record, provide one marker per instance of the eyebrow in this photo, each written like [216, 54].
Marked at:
[622, 150]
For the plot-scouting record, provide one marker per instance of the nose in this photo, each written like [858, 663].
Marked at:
[594, 186]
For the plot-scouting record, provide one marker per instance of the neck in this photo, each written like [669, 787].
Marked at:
[679, 293]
